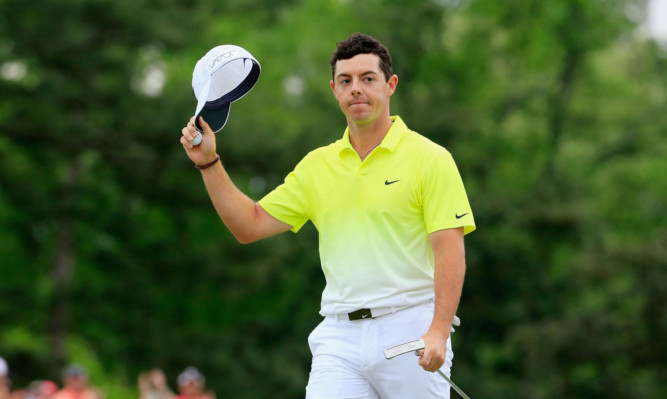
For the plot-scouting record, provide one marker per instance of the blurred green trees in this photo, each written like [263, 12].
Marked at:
[111, 254]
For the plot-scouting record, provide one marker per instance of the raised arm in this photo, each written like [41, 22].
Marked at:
[246, 219]
[449, 255]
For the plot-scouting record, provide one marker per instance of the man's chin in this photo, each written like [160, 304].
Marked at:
[361, 118]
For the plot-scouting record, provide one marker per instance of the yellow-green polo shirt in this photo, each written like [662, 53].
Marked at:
[374, 216]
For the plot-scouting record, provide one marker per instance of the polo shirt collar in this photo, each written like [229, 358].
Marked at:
[390, 140]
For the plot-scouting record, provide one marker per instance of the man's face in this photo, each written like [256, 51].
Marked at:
[361, 89]
[158, 379]
[76, 382]
[191, 389]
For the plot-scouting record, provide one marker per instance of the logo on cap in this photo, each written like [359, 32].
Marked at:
[217, 59]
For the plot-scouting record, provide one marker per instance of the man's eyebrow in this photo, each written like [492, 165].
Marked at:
[347, 75]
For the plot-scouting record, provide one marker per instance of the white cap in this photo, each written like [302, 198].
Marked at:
[191, 374]
[4, 369]
[225, 74]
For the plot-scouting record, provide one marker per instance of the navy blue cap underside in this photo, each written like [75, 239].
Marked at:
[215, 117]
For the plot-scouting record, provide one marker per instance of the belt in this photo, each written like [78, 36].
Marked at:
[368, 313]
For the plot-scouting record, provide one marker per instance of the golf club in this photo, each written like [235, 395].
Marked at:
[417, 346]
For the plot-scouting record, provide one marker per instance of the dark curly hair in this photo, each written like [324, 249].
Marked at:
[359, 43]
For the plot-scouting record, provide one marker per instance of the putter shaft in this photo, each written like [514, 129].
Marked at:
[459, 390]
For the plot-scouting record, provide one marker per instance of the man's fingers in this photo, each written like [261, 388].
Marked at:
[424, 358]
[186, 143]
[190, 132]
[204, 125]
[187, 136]
[192, 129]
[430, 361]
[424, 362]
[186, 132]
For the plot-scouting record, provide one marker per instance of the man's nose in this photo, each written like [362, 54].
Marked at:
[355, 88]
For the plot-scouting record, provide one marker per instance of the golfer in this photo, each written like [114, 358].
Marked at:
[391, 212]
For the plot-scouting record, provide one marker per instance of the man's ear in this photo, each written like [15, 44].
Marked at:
[333, 88]
[392, 82]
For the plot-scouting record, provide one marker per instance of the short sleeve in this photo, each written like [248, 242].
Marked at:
[289, 201]
[444, 199]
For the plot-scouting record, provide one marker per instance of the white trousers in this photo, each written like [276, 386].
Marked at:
[349, 363]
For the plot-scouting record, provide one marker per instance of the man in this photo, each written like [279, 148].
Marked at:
[153, 385]
[391, 212]
[41, 389]
[75, 380]
[191, 385]
[5, 383]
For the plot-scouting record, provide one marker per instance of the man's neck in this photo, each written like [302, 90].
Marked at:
[366, 136]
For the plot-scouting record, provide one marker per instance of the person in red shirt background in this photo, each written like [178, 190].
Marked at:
[75, 378]
[191, 385]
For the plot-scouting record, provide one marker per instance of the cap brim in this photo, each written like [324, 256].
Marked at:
[216, 118]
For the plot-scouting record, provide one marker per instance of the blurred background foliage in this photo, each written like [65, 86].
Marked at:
[112, 255]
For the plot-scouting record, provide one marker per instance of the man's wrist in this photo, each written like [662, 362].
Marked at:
[208, 165]
[439, 330]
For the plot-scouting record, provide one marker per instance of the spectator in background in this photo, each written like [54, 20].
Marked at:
[4, 379]
[153, 385]
[75, 378]
[37, 389]
[43, 389]
[191, 385]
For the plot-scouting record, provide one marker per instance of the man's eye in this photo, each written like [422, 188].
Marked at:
[369, 79]
[345, 81]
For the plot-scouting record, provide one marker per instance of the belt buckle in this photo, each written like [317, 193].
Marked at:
[360, 314]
